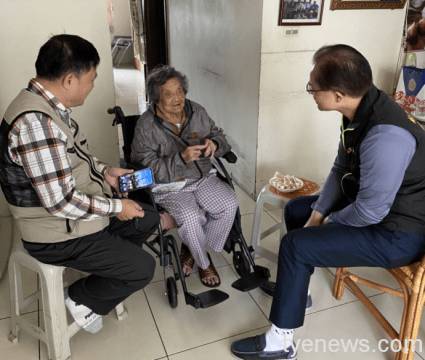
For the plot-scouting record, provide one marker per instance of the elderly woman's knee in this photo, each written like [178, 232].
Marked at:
[189, 216]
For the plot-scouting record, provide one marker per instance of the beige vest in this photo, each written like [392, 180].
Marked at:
[35, 223]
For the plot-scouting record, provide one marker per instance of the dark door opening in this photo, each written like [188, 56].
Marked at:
[155, 24]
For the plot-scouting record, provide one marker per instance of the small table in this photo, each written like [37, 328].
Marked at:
[272, 196]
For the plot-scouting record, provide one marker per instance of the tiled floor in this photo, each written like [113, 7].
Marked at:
[155, 331]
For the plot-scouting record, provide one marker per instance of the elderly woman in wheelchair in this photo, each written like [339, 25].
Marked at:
[177, 139]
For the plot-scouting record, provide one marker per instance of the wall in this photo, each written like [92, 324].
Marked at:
[20, 41]
[217, 44]
[121, 19]
[293, 136]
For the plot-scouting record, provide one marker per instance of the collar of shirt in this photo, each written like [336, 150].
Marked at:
[64, 112]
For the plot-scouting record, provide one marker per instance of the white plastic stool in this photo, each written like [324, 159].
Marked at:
[57, 332]
[270, 196]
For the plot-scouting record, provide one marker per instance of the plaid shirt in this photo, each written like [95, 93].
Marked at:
[38, 145]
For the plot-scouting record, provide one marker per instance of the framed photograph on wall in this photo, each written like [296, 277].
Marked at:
[300, 12]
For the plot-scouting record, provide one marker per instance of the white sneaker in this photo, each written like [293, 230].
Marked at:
[85, 318]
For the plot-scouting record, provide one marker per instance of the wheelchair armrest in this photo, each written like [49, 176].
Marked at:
[230, 157]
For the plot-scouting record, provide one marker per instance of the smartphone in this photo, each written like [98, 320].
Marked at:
[138, 180]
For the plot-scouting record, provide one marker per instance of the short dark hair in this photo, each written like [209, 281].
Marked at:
[159, 76]
[342, 68]
[63, 54]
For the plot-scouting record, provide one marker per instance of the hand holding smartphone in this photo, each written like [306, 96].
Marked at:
[137, 180]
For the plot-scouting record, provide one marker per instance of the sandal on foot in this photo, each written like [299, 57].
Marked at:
[209, 272]
[186, 259]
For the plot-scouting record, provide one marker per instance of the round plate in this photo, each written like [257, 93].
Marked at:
[286, 183]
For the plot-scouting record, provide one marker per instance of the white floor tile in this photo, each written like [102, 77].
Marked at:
[350, 322]
[320, 285]
[29, 279]
[216, 350]
[324, 328]
[25, 349]
[133, 338]
[185, 327]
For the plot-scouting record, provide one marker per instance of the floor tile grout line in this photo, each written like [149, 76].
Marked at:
[418, 354]
[258, 305]
[218, 340]
[272, 216]
[25, 313]
[156, 325]
[343, 304]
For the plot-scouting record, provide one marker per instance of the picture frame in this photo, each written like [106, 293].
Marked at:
[365, 4]
[300, 12]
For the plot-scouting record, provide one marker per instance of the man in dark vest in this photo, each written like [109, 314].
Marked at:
[371, 211]
[60, 195]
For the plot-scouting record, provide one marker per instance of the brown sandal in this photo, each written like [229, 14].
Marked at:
[186, 259]
[209, 272]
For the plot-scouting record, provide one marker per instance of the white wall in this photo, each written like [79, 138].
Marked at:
[293, 136]
[121, 19]
[26, 25]
[217, 45]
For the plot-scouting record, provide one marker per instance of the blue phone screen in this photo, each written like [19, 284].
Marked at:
[137, 180]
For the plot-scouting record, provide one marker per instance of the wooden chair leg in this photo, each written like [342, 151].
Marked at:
[338, 289]
[410, 330]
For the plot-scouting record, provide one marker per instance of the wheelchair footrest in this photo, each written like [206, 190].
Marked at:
[206, 299]
[268, 287]
[259, 276]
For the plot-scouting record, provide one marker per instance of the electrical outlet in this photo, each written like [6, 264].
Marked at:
[291, 31]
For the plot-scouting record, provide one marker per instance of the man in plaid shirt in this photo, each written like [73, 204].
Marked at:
[60, 195]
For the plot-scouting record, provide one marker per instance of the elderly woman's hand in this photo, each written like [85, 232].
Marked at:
[210, 149]
[193, 153]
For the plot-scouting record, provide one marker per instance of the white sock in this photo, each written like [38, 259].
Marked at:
[278, 339]
[309, 292]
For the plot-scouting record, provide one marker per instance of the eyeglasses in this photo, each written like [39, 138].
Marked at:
[310, 90]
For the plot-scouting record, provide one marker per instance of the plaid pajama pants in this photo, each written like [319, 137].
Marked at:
[204, 212]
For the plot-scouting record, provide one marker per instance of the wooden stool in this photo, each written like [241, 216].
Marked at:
[272, 196]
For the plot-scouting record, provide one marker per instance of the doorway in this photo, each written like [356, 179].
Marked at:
[139, 43]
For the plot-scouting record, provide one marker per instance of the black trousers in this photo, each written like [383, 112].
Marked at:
[330, 245]
[114, 257]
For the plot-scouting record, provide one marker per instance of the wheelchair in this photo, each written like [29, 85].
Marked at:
[165, 245]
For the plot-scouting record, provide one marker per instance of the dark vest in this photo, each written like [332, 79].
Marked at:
[407, 212]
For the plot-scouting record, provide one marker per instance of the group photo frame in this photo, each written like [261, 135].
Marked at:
[300, 12]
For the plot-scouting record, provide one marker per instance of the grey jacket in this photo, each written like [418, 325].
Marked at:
[156, 146]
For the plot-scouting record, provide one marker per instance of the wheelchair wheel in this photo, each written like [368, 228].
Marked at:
[172, 292]
[241, 264]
